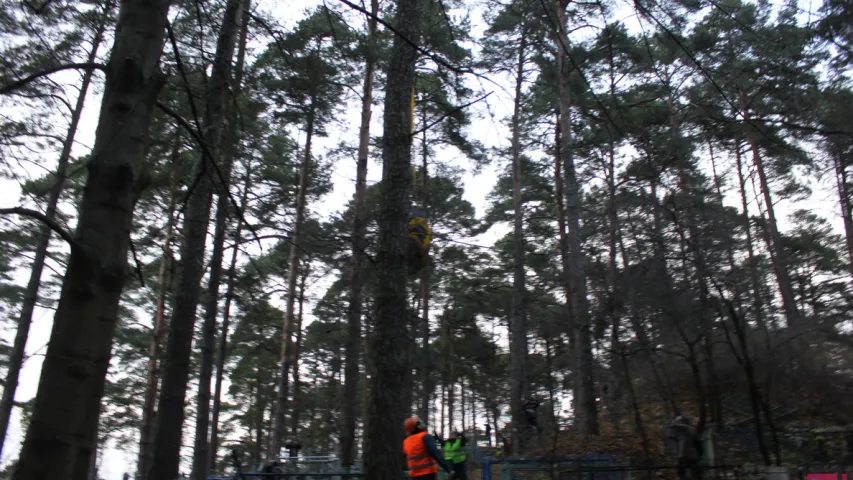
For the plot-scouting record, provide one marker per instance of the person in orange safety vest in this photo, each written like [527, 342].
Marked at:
[423, 457]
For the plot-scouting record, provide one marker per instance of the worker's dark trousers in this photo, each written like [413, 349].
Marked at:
[461, 471]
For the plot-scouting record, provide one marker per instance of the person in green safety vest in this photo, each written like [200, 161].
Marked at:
[454, 452]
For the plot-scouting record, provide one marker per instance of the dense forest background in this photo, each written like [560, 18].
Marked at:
[640, 209]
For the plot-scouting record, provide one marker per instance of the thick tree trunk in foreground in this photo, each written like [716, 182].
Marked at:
[63, 429]
[287, 347]
[155, 349]
[359, 231]
[517, 320]
[584, 391]
[170, 412]
[16, 355]
[388, 358]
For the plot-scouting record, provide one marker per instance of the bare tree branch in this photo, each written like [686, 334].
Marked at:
[51, 223]
[35, 76]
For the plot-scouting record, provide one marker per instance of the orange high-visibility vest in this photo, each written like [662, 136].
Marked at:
[420, 461]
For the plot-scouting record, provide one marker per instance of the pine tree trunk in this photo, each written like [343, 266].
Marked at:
[779, 257]
[297, 386]
[16, 355]
[730, 254]
[155, 349]
[170, 412]
[693, 218]
[259, 418]
[359, 231]
[451, 381]
[424, 290]
[561, 225]
[757, 302]
[586, 410]
[844, 201]
[287, 348]
[226, 317]
[614, 395]
[517, 320]
[63, 430]
[462, 401]
[388, 357]
[203, 453]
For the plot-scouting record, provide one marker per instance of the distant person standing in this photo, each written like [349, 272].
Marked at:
[454, 452]
[687, 447]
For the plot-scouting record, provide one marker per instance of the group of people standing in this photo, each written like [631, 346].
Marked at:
[425, 453]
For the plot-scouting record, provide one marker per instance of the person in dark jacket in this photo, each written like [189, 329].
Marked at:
[423, 457]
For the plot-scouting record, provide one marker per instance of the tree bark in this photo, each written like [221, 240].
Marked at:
[222, 353]
[561, 225]
[170, 415]
[424, 289]
[779, 257]
[585, 393]
[388, 357]
[155, 349]
[203, 453]
[694, 214]
[63, 430]
[758, 304]
[297, 351]
[451, 380]
[359, 244]
[517, 318]
[287, 347]
[16, 355]
[844, 193]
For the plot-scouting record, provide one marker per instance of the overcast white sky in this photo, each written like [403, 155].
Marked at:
[486, 129]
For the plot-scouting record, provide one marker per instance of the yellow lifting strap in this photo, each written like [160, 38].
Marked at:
[420, 231]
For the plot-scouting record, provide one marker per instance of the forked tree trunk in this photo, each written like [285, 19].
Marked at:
[584, 388]
[16, 355]
[287, 348]
[388, 357]
[170, 412]
[63, 430]
[359, 231]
